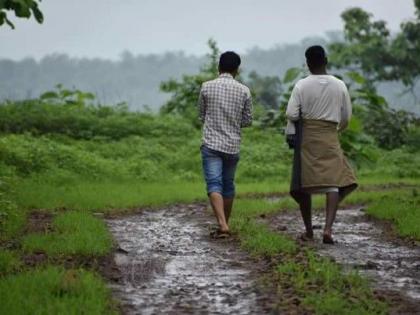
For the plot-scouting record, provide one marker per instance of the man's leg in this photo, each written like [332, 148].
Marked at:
[227, 206]
[331, 211]
[230, 162]
[306, 212]
[212, 168]
[216, 201]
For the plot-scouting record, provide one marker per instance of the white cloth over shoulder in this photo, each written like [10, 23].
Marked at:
[320, 97]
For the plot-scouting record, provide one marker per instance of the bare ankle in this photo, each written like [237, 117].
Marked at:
[327, 231]
[224, 228]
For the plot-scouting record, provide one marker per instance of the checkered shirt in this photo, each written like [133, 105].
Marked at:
[225, 108]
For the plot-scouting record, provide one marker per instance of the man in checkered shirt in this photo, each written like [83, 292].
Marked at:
[225, 108]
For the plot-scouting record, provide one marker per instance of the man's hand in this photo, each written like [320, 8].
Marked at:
[291, 141]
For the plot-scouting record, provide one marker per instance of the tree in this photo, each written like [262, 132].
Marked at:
[371, 49]
[21, 8]
[185, 92]
[267, 89]
[371, 54]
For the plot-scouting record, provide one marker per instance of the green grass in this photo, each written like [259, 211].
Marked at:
[9, 262]
[386, 180]
[105, 195]
[126, 195]
[325, 289]
[259, 240]
[321, 284]
[256, 237]
[109, 195]
[401, 208]
[54, 290]
[74, 233]
[12, 219]
[78, 232]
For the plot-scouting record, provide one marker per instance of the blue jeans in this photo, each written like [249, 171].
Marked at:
[219, 171]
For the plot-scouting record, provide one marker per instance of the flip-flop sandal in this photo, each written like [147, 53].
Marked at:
[327, 239]
[304, 237]
[220, 234]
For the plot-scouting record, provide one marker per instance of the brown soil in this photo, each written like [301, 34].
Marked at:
[38, 222]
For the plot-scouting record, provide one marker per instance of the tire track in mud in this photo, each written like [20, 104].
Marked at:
[366, 244]
[172, 266]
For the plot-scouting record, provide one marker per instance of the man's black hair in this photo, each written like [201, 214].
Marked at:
[229, 62]
[316, 56]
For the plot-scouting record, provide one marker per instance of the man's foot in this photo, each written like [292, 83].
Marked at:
[327, 238]
[307, 236]
[220, 233]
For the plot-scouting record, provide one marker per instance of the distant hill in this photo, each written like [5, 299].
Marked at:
[135, 79]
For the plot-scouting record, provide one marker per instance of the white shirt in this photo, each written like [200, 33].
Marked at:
[320, 97]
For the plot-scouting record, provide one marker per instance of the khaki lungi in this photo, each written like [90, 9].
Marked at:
[319, 161]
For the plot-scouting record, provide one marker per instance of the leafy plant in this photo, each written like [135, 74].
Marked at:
[277, 118]
[370, 48]
[185, 92]
[389, 127]
[266, 90]
[65, 96]
[22, 9]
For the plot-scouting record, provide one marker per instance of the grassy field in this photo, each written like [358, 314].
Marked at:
[75, 162]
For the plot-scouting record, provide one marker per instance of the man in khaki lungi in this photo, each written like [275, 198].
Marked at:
[318, 109]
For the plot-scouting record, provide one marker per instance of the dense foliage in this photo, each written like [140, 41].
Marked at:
[64, 141]
[371, 48]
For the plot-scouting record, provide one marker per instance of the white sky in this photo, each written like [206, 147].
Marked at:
[105, 28]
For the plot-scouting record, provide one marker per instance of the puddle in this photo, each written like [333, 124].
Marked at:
[363, 244]
[172, 266]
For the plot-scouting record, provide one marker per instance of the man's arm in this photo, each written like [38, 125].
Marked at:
[202, 105]
[247, 112]
[346, 110]
[292, 111]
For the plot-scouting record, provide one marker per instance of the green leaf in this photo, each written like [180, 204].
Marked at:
[355, 125]
[3, 19]
[66, 93]
[356, 77]
[88, 96]
[49, 95]
[22, 8]
[39, 17]
[291, 74]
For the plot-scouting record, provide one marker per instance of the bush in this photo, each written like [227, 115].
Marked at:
[81, 121]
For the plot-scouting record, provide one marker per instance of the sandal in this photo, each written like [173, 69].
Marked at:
[306, 238]
[220, 234]
[327, 239]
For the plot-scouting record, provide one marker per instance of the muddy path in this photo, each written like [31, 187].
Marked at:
[365, 244]
[172, 266]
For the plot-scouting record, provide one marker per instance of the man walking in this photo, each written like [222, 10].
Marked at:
[225, 108]
[321, 105]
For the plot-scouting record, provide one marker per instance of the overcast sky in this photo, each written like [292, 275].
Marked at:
[105, 28]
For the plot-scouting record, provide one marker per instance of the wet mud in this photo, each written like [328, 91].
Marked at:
[170, 265]
[364, 243]
[39, 222]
